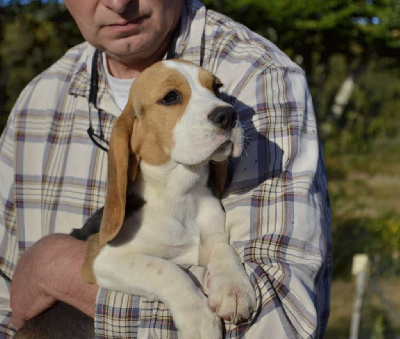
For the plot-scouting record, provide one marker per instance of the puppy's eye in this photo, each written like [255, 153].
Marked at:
[171, 98]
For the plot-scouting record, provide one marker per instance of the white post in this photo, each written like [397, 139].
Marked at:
[360, 270]
[342, 97]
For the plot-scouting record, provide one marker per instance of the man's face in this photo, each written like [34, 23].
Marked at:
[126, 29]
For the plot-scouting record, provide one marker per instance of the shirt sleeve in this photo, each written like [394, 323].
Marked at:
[277, 206]
[120, 315]
[9, 250]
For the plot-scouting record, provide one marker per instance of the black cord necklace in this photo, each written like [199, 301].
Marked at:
[98, 140]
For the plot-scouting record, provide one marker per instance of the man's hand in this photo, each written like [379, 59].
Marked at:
[49, 271]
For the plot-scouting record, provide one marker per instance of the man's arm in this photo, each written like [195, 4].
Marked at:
[9, 249]
[50, 270]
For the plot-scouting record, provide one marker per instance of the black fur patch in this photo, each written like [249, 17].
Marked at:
[92, 225]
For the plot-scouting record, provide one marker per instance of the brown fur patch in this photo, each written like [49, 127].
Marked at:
[122, 164]
[93, 249]
[218, 173]
[209, 80]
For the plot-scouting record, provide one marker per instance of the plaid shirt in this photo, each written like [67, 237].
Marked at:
[53, 178]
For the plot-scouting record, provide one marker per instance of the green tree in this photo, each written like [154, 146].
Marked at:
[33, 37]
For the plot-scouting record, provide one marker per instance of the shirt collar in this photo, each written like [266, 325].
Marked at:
[190, 41]
[80, 82]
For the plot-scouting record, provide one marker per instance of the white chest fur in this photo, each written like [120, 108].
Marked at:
[168, 225]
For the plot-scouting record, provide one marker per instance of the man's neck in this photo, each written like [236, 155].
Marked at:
[130, 68]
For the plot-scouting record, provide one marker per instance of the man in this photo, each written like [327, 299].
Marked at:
[53, 174]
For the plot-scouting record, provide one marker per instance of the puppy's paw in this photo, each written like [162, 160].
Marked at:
[230, 294]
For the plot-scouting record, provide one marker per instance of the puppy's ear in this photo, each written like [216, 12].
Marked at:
[218, 174]
[123, 164]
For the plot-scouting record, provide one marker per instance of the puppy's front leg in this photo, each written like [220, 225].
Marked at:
[119, 269]
[227, 284]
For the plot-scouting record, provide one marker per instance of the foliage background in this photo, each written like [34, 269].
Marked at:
[339, 43]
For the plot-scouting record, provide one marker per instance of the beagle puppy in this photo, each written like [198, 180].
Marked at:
[173, 125]
[160, 151]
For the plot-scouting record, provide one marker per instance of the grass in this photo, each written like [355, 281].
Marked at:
[375, 314]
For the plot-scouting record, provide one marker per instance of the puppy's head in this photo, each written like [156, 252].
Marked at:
[181, 117]
[173, 113]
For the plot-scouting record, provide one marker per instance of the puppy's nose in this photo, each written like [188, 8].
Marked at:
[224, 117]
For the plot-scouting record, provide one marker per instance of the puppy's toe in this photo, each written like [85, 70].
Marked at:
[231, 298]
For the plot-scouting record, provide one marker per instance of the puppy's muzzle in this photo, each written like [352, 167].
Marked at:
[224, 118]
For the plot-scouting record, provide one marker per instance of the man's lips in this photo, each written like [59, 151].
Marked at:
[126, 26]
[124, 23]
